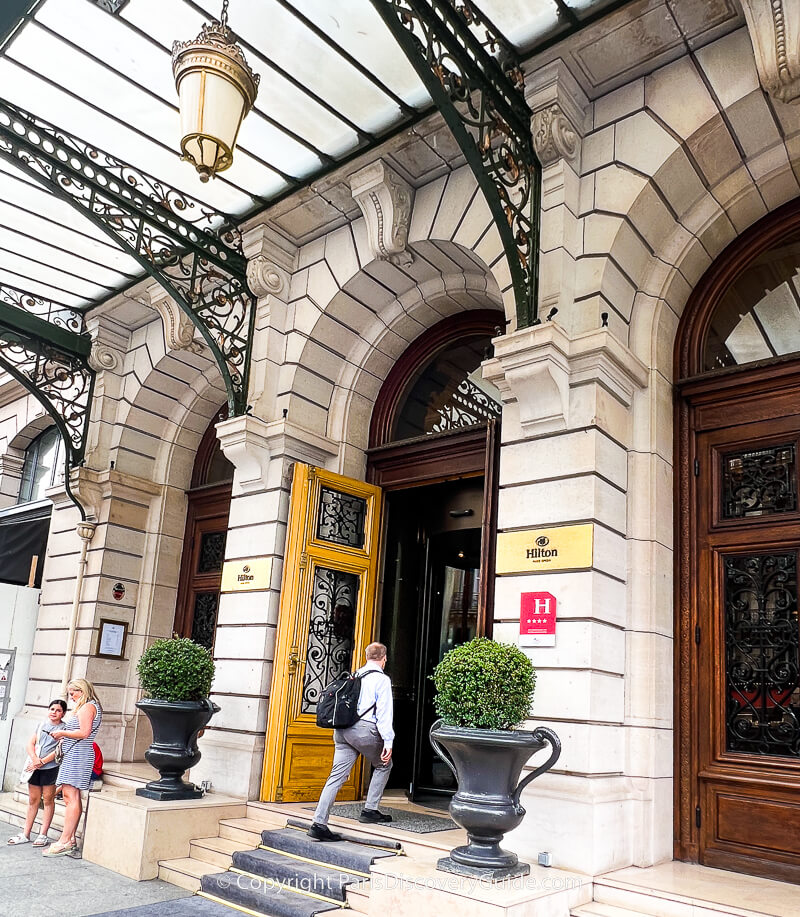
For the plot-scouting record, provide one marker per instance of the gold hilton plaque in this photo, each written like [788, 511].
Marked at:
[244, 575]
[567, 547]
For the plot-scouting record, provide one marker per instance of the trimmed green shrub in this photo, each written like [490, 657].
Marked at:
[485, 685]
[176, 669]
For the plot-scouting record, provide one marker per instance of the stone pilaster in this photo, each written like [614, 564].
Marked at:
[263, 454]
[271, 261]
[567, 429]
[558, 105]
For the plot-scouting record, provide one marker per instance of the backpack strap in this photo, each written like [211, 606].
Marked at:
[375, 705]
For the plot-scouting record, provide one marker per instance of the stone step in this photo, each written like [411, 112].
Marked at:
[263, 897]
[358, 897]
[295, 874]
[596, 909]
[652, 903]
[217, 850]
[338, 854]
[186, 872]
[245, 831]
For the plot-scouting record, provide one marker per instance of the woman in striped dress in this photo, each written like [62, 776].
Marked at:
[77, 734]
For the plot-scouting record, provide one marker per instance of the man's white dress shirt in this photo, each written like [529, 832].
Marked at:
[377, 689]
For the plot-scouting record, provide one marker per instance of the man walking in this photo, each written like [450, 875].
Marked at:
[372, 736]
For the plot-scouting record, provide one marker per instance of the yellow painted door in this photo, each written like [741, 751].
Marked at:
[326, 620]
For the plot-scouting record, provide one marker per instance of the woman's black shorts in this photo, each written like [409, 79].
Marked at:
[44, 776]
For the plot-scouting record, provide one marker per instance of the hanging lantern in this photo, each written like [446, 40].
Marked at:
[216, 89]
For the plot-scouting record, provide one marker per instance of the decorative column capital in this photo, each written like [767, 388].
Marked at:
[558, 104]
[774, 27]
[109, 343]
[385, 200]
[271, 260]
[539, 367]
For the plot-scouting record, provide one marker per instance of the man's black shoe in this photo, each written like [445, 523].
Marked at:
[373, 816]
[323, 833]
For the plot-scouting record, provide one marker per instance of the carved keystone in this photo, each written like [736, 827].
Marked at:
[774, 27]
[385, 200]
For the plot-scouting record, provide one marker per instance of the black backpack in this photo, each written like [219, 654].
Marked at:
[337, 707]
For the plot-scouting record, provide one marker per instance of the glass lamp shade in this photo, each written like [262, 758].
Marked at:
[216, 89]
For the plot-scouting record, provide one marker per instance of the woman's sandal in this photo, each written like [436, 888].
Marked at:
[41, 841]
[19, 839]
[57, 850]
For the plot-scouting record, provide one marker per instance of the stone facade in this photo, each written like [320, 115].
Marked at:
[645, 181]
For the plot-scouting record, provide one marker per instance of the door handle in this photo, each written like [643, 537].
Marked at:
[294, 661]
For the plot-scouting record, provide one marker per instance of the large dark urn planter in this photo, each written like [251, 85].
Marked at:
[176, 725]
[487, 764]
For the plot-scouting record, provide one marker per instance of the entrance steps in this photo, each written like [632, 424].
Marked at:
[688, 890]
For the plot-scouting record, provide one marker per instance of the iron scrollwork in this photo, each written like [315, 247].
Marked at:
[193, 251]
[466, 406]
[341, 518]
[331, 632]
[761, 654]
[476, 82]
[204, 624]
[759, 483]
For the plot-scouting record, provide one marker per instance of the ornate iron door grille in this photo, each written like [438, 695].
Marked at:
[331, 631]
[761, 654]
[759, 482]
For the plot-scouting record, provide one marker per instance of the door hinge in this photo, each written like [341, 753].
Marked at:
[697, 468]
[697, 635]
[697, 818]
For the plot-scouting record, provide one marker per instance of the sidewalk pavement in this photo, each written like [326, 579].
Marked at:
[36, 886]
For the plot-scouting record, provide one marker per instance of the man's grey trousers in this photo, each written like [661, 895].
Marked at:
[362, 738]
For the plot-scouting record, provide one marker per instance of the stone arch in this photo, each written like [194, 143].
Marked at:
[366, 323]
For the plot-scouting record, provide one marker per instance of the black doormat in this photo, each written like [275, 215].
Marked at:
[417, 822]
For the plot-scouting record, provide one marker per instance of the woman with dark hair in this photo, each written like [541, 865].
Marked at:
[40, 772]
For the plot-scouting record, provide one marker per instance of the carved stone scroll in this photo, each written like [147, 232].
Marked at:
[774, 27]
[385, 200]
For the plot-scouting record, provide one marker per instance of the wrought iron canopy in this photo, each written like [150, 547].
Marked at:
[334, 83]
[193, 252]
[43, 345]
[475, 78]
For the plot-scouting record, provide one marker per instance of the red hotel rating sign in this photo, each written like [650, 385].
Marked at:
[537, 619]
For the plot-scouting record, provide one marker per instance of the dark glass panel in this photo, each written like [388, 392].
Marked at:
[762, 668]
[759, 483]
[205, 618]
[212, 552]
[331, 632]
[341, 518]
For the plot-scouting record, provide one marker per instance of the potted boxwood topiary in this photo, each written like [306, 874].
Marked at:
[484, 689]
[175, 676]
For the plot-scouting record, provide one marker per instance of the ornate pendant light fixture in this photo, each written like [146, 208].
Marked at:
[216, 89]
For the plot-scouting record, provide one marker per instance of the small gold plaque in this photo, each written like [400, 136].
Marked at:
[567, 547]
[245, 575]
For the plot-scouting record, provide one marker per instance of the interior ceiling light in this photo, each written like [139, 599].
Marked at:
[216, 89]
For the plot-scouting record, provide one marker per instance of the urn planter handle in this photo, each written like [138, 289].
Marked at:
[438, 748]
[541, 732]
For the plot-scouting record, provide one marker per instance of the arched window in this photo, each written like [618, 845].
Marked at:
[758, 316]
[437, 386]
[44, 459]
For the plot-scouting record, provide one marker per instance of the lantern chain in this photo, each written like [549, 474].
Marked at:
[223, 19]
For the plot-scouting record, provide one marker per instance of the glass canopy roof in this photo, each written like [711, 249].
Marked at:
[333, 83]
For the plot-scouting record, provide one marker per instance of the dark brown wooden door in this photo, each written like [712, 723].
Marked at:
[201, 565]
[747, 719]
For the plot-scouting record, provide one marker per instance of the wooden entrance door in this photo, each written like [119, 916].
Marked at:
[326, 620]
[747, 685]
[201, 564]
